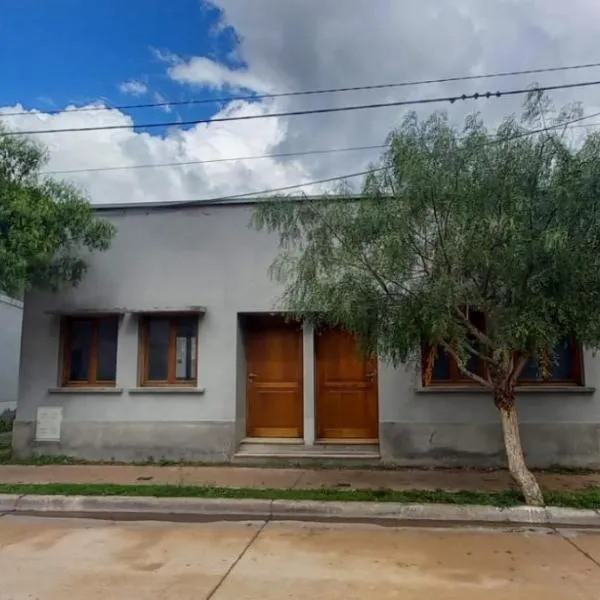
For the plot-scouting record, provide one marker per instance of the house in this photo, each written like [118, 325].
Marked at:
[11, 312]
[173, 347]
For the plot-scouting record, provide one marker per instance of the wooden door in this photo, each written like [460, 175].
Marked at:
[346, 388]
[274, 371]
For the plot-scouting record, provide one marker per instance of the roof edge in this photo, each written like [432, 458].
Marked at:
[4, 299]
[186, 204]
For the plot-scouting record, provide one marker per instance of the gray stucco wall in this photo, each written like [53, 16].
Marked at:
[172, 259]
[11, 312]
[209, 256]
[462, 428]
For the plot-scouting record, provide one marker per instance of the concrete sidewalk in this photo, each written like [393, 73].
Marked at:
[255, 477]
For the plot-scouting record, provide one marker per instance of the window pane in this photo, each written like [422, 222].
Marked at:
[80, 343]
[185, 348]
[106, 368]
[531, 371]
[474, 366]
[474, 363]
[158, 349]
[561, 366]
[441, 366]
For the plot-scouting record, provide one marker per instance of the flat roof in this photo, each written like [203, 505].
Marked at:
[170, 205]
[121, 310]
[224, 201]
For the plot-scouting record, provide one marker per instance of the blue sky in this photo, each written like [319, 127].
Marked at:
[71, 51]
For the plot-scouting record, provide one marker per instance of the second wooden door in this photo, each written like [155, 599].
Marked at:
[346, 394]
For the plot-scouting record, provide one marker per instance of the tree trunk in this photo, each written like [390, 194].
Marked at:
[505, 401]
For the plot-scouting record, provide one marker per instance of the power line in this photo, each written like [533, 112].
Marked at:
[214, 160]
[382, 86]
[233, 197]
[586, 125]
[314, 111]
[570, 124]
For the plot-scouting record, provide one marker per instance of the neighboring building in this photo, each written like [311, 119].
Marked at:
[172, 347]
[11, 313]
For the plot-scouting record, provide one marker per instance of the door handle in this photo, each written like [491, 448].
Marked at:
[252, 376]
[371, 375]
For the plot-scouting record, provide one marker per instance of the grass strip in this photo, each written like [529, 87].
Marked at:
[588, 498]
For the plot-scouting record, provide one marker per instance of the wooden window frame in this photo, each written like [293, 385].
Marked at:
[171, 380]
[67, 340]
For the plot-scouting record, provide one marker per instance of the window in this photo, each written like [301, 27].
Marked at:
[168, 352]
[565, 369]
[90, 351]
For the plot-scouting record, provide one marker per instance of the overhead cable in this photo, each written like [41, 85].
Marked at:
[314, 111]
[254, 97]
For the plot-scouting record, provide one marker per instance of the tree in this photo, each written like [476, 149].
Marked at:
[452, 224]
[45, 224]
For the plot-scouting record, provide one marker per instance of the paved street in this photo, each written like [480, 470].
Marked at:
[54, 559]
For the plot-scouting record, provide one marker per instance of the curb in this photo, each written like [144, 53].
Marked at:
[137, 508]
[432, 513]
[217, 509]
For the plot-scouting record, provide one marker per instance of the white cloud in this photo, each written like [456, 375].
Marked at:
[47, 100]
[160, 99]
[80, 150]
[163, 55]
[202, 71]
[313, 44]
[133, 87]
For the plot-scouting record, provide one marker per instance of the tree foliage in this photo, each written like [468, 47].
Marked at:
[507, 224]
[455, 221]
[45, 225]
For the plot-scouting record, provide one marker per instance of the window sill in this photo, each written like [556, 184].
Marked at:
[524, 389]
[81, 389]
[167, 390]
